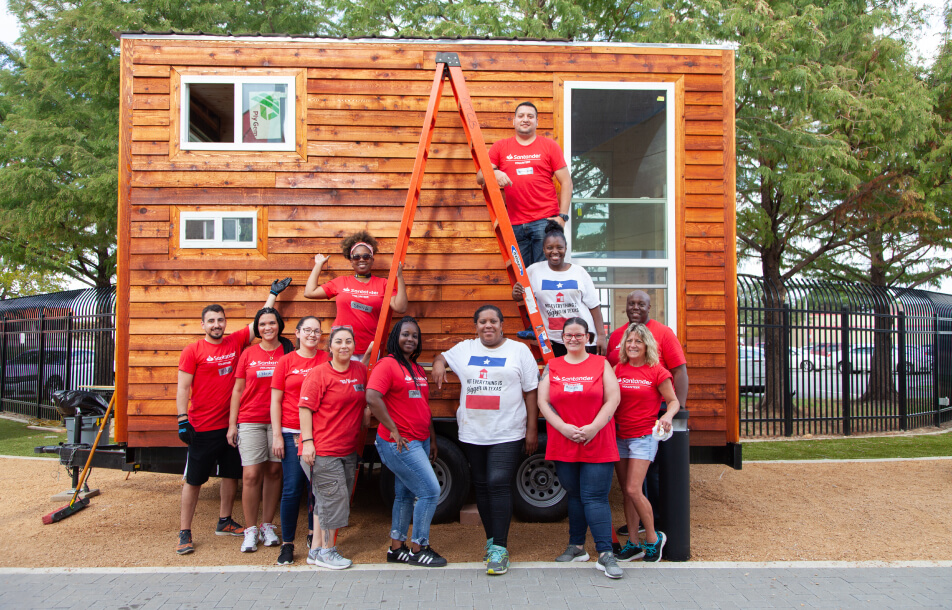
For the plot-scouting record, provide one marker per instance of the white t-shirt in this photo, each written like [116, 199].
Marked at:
[562, 295]
[492, 409]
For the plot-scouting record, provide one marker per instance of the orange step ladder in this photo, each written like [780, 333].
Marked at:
[448, 66]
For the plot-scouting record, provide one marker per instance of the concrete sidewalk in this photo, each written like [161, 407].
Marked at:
[688, 585]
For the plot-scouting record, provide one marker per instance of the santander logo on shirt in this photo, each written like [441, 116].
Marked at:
[300, 371]
[512, 157]
[634, 384]
[582, 378]
[263, 363]
[360, 292]
[348, 381]
[220, 358]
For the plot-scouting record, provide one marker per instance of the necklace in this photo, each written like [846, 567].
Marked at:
[362, 276]
[271, 352]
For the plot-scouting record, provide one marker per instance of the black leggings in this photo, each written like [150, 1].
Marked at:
[493, 468]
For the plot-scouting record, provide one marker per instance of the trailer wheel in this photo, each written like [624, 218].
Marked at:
[452, 472]
[537, 495]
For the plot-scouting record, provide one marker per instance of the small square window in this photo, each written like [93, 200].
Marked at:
[199, 228]
[227, 229]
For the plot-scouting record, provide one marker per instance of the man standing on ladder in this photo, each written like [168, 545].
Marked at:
[524, 166]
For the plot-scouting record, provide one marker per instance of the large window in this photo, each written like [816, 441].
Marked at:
[619, 143]
[237, 112]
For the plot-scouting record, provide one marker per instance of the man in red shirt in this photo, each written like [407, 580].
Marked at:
[205, 380]
[671, 357]
[524, 166]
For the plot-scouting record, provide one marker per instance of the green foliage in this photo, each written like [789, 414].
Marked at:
[913, 446]
[20, 281]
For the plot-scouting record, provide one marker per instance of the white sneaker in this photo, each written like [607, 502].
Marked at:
[328, 558]
[268, 535]
[250, 544]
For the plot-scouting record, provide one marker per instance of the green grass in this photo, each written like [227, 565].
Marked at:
[927, 445]
[17, 439]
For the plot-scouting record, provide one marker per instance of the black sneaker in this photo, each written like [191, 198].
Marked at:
[630, 551]
[286, 556]
[653, 551]
[623, 530]
[401, 555]
[426, 557]
[229, 527]
[184, 542]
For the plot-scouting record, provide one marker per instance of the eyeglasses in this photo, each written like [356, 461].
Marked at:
[361, 257]
[574, 337]
[311, 331]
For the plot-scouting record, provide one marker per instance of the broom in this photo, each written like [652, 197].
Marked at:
[75, 505]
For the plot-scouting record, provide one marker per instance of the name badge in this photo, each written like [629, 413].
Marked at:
[572, 387]
[224, 371]
[361, 307]
[358, 387]
[415, 394]
[266, 373]
[524, 171]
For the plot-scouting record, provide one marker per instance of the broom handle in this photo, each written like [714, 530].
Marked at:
[89, 460]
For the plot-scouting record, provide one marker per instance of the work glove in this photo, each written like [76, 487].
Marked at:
[277, 286]
[185, 431]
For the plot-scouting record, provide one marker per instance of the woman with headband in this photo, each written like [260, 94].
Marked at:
[359, 296]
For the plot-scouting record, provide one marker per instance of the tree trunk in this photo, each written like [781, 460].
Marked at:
[881, 385]
[775, 361]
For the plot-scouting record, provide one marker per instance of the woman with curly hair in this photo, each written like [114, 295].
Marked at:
[359, 296]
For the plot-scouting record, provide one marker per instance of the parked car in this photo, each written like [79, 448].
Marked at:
[20, 374]
[861, 359]
[750, 370]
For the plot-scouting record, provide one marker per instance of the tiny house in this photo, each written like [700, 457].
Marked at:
[242, 157]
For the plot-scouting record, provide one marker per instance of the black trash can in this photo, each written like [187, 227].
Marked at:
[674, 464]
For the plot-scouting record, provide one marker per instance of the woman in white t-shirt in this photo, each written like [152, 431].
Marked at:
[497, 415]
[563, 291]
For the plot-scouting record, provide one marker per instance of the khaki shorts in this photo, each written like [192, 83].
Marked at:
[254, 444]
[332, 479]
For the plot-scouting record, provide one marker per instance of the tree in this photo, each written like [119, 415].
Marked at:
[59, 119]
[18, 281]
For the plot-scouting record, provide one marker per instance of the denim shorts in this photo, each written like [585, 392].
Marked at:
[641, 448]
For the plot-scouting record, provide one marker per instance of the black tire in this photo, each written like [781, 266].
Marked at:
[452, 471]
[839, 367]
[806, 366]
[537, 496]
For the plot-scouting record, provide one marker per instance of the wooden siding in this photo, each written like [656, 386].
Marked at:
[364, 109]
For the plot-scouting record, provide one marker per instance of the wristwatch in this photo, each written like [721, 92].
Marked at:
[564, 217]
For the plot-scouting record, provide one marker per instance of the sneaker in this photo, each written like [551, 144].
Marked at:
[286, 556]
[653, 551]
[623, 530]
[607, 564]
[229, 527]
[572, 553]
[489, 543]
[269, 535]
[630, 551]
[426, 557]
[250, 545]
[184, 542]
[401, 555]
[328, 558]
[498, 560]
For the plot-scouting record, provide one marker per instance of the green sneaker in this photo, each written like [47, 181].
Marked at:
[498, 562]
[489, 543]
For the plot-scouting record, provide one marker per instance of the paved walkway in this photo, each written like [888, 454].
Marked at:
[688, 585]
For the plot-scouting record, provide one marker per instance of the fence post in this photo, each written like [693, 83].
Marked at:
[935, 372]
[785, 358]
[846, 369]
[68, 384]
[3, 365]
[40, 366]
[903, 414]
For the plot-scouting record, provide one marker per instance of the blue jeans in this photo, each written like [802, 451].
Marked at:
[587, 486]
[529, 237]
[413, 478]
[295, 484]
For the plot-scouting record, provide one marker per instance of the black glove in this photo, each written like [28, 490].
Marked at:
[185, 431]
[277, 286]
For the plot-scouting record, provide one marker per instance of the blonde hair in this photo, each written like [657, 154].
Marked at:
[651, 346]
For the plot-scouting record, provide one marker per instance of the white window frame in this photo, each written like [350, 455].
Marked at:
[669, 263]
[290, 142]
[217, 241]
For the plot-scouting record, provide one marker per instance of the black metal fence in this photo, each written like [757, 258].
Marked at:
[50, 342]
[838, 358]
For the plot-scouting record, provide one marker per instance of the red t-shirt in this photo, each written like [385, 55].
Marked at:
[289, 377]
[358, 306]
[532, 195]
[577, 394]
[406, 399]
[640, 398]
[337, 400]
[256, 367]
[213, 370]
[670, 354]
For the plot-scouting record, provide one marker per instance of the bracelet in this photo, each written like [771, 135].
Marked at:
[304, 440]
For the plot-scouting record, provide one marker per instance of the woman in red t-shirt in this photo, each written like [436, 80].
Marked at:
[333, 413]
[398, 395]
[249, 428]
[645, 384]
[286, 429]
[358, 297]
[578, 394]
